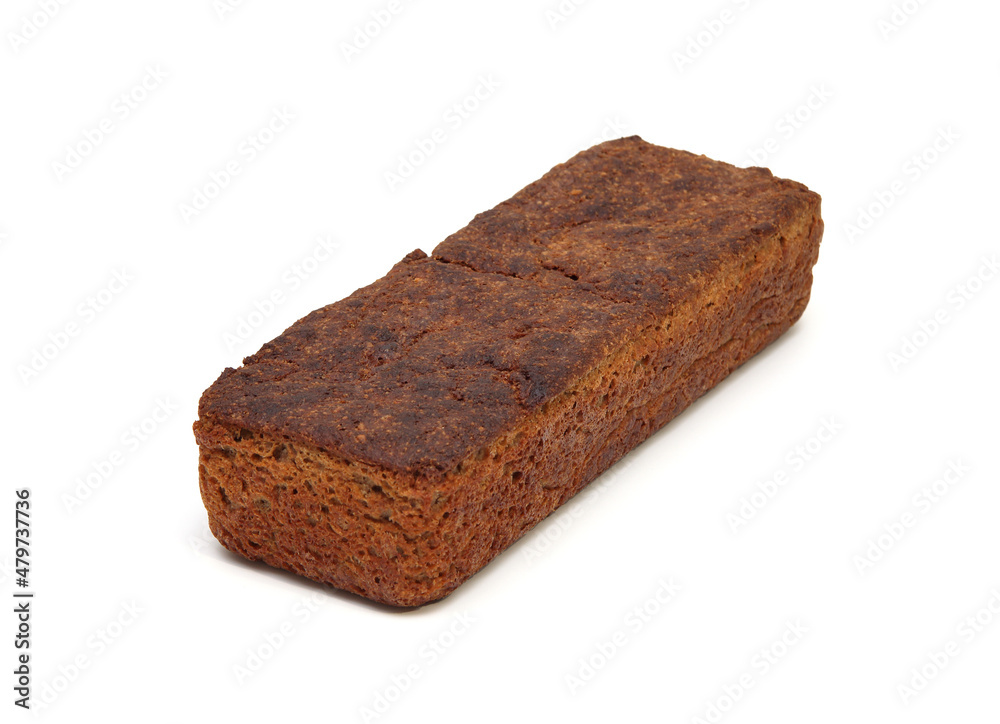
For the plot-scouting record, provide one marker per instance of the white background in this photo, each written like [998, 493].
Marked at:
[138, 540]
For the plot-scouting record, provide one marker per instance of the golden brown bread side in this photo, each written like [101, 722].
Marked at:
[391, 444]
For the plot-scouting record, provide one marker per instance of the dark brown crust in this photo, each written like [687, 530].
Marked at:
[433, 417]
[432, 361]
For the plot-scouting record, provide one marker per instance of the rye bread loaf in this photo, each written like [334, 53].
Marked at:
[391, 444]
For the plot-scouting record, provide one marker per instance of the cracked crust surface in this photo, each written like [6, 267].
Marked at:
[394, 442]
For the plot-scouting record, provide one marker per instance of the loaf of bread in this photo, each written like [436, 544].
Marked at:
[391, 444]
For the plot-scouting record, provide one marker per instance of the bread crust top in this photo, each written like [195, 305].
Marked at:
[447, 352]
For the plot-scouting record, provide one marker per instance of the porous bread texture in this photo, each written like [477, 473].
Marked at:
[532, 368]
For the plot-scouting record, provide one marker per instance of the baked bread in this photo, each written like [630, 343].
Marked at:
[391, 444]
